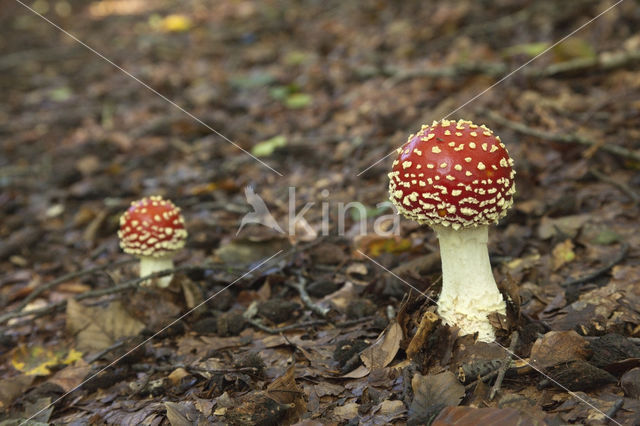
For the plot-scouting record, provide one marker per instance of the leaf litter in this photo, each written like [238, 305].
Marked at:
[319, 92]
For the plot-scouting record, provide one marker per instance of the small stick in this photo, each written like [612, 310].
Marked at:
[506, 363]
[105, 351]
[623, 253]
[519, 367]
[147, 367]
[621, 186]
[301, 286]
[270, 330]
[614, 409]
[562, 137]
[487, 376]
[604, 62]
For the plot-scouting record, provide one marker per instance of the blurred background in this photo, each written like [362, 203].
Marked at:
[320, 92]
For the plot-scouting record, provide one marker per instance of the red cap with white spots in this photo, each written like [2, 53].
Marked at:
[152, 227]
[453, 173]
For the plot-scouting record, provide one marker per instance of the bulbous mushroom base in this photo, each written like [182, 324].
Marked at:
[149, 265]
[469, 291]
[471, 317]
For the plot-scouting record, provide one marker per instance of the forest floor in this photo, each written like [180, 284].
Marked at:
[300, 102]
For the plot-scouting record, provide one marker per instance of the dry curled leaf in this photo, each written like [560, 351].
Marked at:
[384, 349]
[285, 390]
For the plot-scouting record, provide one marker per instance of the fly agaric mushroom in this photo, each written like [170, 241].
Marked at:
[457, 177]
[153, 230]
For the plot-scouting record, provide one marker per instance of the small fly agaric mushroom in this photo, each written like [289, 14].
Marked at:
[457, 177]
[153, 230]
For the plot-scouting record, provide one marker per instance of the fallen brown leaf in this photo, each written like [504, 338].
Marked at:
[471, 416]
[12, 387]
[285, 390]
[71, 376]
[384, 349]
[183, 414]
[559, 346]
[432, 393]
[98, 328]
[347, 411]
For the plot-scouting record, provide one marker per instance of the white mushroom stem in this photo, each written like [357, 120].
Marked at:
[149, 265]
[469, 290]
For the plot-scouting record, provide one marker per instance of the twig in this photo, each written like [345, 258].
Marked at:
[301, 286]
[24, 237]
[562, 138]
[614, 409]
[605, 61]
[623, 253]
[44, 287]
[561, 12]
[487, 376]
[493, 69]
[105, 351]
[270, 330]
[349, 323]
[621, 186]
[257, 324]
[407, 390]
[519, 367]
[506, 363]
[172, 367]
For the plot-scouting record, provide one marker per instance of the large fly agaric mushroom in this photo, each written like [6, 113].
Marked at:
[153, 230]
[457, 177]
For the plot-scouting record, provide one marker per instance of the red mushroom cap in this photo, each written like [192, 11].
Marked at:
[152, 227]
[453, 173]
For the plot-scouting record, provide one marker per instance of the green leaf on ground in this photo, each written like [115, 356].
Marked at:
[298, 100]
[266, 148]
